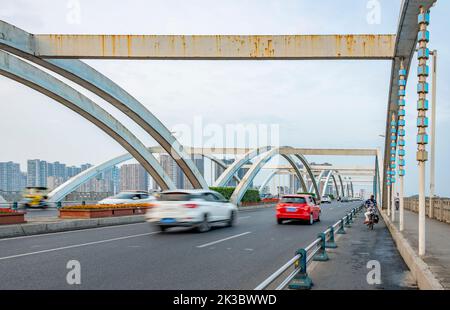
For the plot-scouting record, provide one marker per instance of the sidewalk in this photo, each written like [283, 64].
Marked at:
[346, 269]
[437, 236]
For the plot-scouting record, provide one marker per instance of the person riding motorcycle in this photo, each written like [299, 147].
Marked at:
[371, 205]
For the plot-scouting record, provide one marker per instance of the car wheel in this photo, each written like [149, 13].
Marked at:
[232, 220]
[162, 228]
[311, 219]
[204, 226]
[318, 217]
[279, 221]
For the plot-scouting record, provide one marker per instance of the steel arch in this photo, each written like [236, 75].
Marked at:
[35, 78]
[226, 176]
[311, 175]
[242, 187]
[21, 43]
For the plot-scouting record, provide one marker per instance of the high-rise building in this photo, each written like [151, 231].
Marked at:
[133, 177]
[11, 178]
[199, 162]
[37, 173]
[170, 166]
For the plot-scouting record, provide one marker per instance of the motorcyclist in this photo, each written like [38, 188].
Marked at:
[371, 205]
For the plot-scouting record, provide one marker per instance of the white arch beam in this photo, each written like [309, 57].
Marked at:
[226, 176]
[311, 175]
[23, 44]
[33, 77]
[297, 171]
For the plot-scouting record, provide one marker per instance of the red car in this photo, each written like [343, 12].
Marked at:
[298, 207]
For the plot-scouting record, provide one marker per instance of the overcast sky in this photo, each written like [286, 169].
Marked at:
[315, 103]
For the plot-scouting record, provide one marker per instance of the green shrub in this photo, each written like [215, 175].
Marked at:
[306, 193]
[251, 195]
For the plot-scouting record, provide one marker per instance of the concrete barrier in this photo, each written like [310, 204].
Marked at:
[27, 229]
[421, 272]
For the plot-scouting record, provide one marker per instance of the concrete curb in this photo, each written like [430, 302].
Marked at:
[421, 272]
[28, 229]
[256, 207]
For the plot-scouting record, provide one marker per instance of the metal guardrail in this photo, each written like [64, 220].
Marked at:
[295, 270]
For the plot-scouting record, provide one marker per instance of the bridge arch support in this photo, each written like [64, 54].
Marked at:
[22, 43]
[242, 187]
[33, 77]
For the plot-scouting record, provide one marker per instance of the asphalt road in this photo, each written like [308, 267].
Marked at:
[138, 256]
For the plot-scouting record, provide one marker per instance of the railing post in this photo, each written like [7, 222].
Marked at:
[331, 244]
[322, 255]
[347, 222]
[341, 229]
[350, 220]
[301, 281]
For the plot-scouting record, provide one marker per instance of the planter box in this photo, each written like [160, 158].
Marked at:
[140, 210]
[123, 212]
[12, 218]
[84, 214]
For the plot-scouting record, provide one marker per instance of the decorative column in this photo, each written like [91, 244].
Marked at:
[422, 121]
[392, 164]
[388, 188]
[401, 140]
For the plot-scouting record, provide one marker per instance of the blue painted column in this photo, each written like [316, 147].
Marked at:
[393, 163]
[401, 140]
[422, 121]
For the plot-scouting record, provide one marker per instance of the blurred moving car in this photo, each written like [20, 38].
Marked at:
[34, 197]
[128, 197]
[345, 199]
[191, 208]
[326, 199]
[298, 207]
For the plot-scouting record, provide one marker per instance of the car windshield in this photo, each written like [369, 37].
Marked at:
[124, 196]
[293, 200]
[177, 197]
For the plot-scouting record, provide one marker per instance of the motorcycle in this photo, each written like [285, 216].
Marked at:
[373, 219]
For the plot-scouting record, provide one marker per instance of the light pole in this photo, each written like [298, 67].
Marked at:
[433, 132]
[422, 120]
[401, 140]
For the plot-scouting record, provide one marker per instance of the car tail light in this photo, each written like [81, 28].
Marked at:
[190, 205]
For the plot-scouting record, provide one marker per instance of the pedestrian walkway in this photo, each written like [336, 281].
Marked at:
[347, 267]
[437, 255]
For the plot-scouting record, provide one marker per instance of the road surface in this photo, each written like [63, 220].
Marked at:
[138, 256]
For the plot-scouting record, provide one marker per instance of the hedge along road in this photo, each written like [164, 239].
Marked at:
[137, 256]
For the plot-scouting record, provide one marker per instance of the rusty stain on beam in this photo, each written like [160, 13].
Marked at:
[216, 46]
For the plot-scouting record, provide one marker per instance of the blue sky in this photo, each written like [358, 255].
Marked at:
[315, 103]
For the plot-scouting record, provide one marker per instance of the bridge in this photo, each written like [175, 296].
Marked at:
[37, 60]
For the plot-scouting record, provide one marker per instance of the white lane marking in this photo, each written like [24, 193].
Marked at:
[70, 231]
[224, 239]
[243, 217]
[77, 245]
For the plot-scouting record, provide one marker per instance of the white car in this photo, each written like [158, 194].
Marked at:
[191, 208]
[128, 197]
[325, 199]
